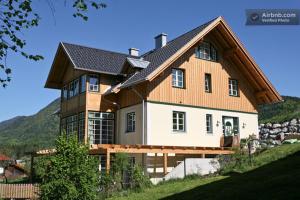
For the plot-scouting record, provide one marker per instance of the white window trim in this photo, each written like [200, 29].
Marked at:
[177, 122]
[233, 88]
[175, 83]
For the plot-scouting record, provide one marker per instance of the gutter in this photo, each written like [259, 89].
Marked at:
[143, 114]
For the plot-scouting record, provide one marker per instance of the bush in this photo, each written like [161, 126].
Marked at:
[71, 173]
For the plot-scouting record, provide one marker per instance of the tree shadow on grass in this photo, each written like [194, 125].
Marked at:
[277, 180]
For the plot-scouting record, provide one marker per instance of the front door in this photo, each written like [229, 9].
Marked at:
[228, 126]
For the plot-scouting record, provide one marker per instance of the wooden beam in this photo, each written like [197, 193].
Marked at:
[107, 163]
[230, 52]
[165, 163]
[155, 165]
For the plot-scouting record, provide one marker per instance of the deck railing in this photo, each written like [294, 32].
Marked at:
[19, 191]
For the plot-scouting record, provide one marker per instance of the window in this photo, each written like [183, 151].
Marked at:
[178, 121]
[100, 127]
[76, 87]
[65, 93]
[177, 78]
[81, 127]
[130, 121]
[233, 87]
[206, 51]
[209, 124]
[93, 83]
[230, 125]
[82, 83]
[208, 83]
[73, 88]
[71, 125]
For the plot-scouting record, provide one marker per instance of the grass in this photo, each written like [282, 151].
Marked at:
[275, 174]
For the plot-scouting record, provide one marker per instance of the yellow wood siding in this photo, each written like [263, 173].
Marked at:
[160, 89]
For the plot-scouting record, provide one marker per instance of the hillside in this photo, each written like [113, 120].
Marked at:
[273, 175]
[39, 129]
[280, 112]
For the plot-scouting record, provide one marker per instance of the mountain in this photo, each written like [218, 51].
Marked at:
[39, 129]
[280, 112]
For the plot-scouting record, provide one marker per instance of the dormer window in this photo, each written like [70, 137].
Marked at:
[206, 51]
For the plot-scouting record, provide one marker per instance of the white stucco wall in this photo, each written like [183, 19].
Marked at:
[160, 130]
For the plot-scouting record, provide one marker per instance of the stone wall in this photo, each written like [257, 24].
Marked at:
[277, 132]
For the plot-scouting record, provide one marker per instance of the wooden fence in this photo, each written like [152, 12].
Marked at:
[19, 191]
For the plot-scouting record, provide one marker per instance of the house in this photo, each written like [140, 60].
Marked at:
[197, 90]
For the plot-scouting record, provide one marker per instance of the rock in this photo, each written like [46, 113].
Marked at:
[276, 125]
[293, 129]
[264, 131]
[275, 131]
[280, 136]
[293, 122]
[262, 125]
[285, 130]
[285, 124]
[268, 125]
[273, 136]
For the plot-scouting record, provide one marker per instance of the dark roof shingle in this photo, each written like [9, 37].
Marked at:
[98, 60]
[158, 56]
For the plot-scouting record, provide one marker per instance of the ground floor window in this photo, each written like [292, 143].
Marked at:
[100, 127]
[178, 121]
[230, 125]
[209, 125]
[72, 127]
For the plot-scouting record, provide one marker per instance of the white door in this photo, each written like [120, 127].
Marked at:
[228, 126]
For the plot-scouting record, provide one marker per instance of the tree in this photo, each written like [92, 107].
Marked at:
[71, 173]
[18, 15]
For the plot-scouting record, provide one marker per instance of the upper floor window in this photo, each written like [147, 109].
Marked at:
[83, 83]
[130, 122]
[233, 87]
[206, 51]
[65, 92]
[74, 88]
[94, 83]
[208, 83]
[209, 127]
[178, 121]
[177, 78]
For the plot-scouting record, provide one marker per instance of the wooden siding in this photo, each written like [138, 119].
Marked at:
[160, 89]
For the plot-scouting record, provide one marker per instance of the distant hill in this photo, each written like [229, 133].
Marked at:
[282, 111]
[39, 129]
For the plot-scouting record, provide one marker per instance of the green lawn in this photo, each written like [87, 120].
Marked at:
[275, 175]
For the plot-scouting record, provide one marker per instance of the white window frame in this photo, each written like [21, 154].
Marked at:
[65, 92]
[130, 122]
[206, 51]
[233, 87]
[209, 123]
[93, 87]
[177, 78]
[178, 116]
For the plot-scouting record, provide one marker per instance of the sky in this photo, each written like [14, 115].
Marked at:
[135, 23]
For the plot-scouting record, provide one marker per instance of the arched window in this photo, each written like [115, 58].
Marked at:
[206, 51]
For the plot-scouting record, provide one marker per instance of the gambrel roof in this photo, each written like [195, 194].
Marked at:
[157, 60]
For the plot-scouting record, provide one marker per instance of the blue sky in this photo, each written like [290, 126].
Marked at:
[124, 24]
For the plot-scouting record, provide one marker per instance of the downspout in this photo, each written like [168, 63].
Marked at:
[143, 114]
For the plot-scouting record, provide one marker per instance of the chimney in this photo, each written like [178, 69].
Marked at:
[133, 52]
[160, 40]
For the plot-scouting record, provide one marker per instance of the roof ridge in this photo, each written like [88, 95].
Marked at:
[108, 51]
[153, 50]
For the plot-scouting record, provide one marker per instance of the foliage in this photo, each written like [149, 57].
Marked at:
[273, 169]
[69, 174]
[18, 15]
[26, 134]
[116, 184]
[280, 112]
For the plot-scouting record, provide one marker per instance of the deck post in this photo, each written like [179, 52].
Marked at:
[165, 163]
[107, 163]
[154, 166]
